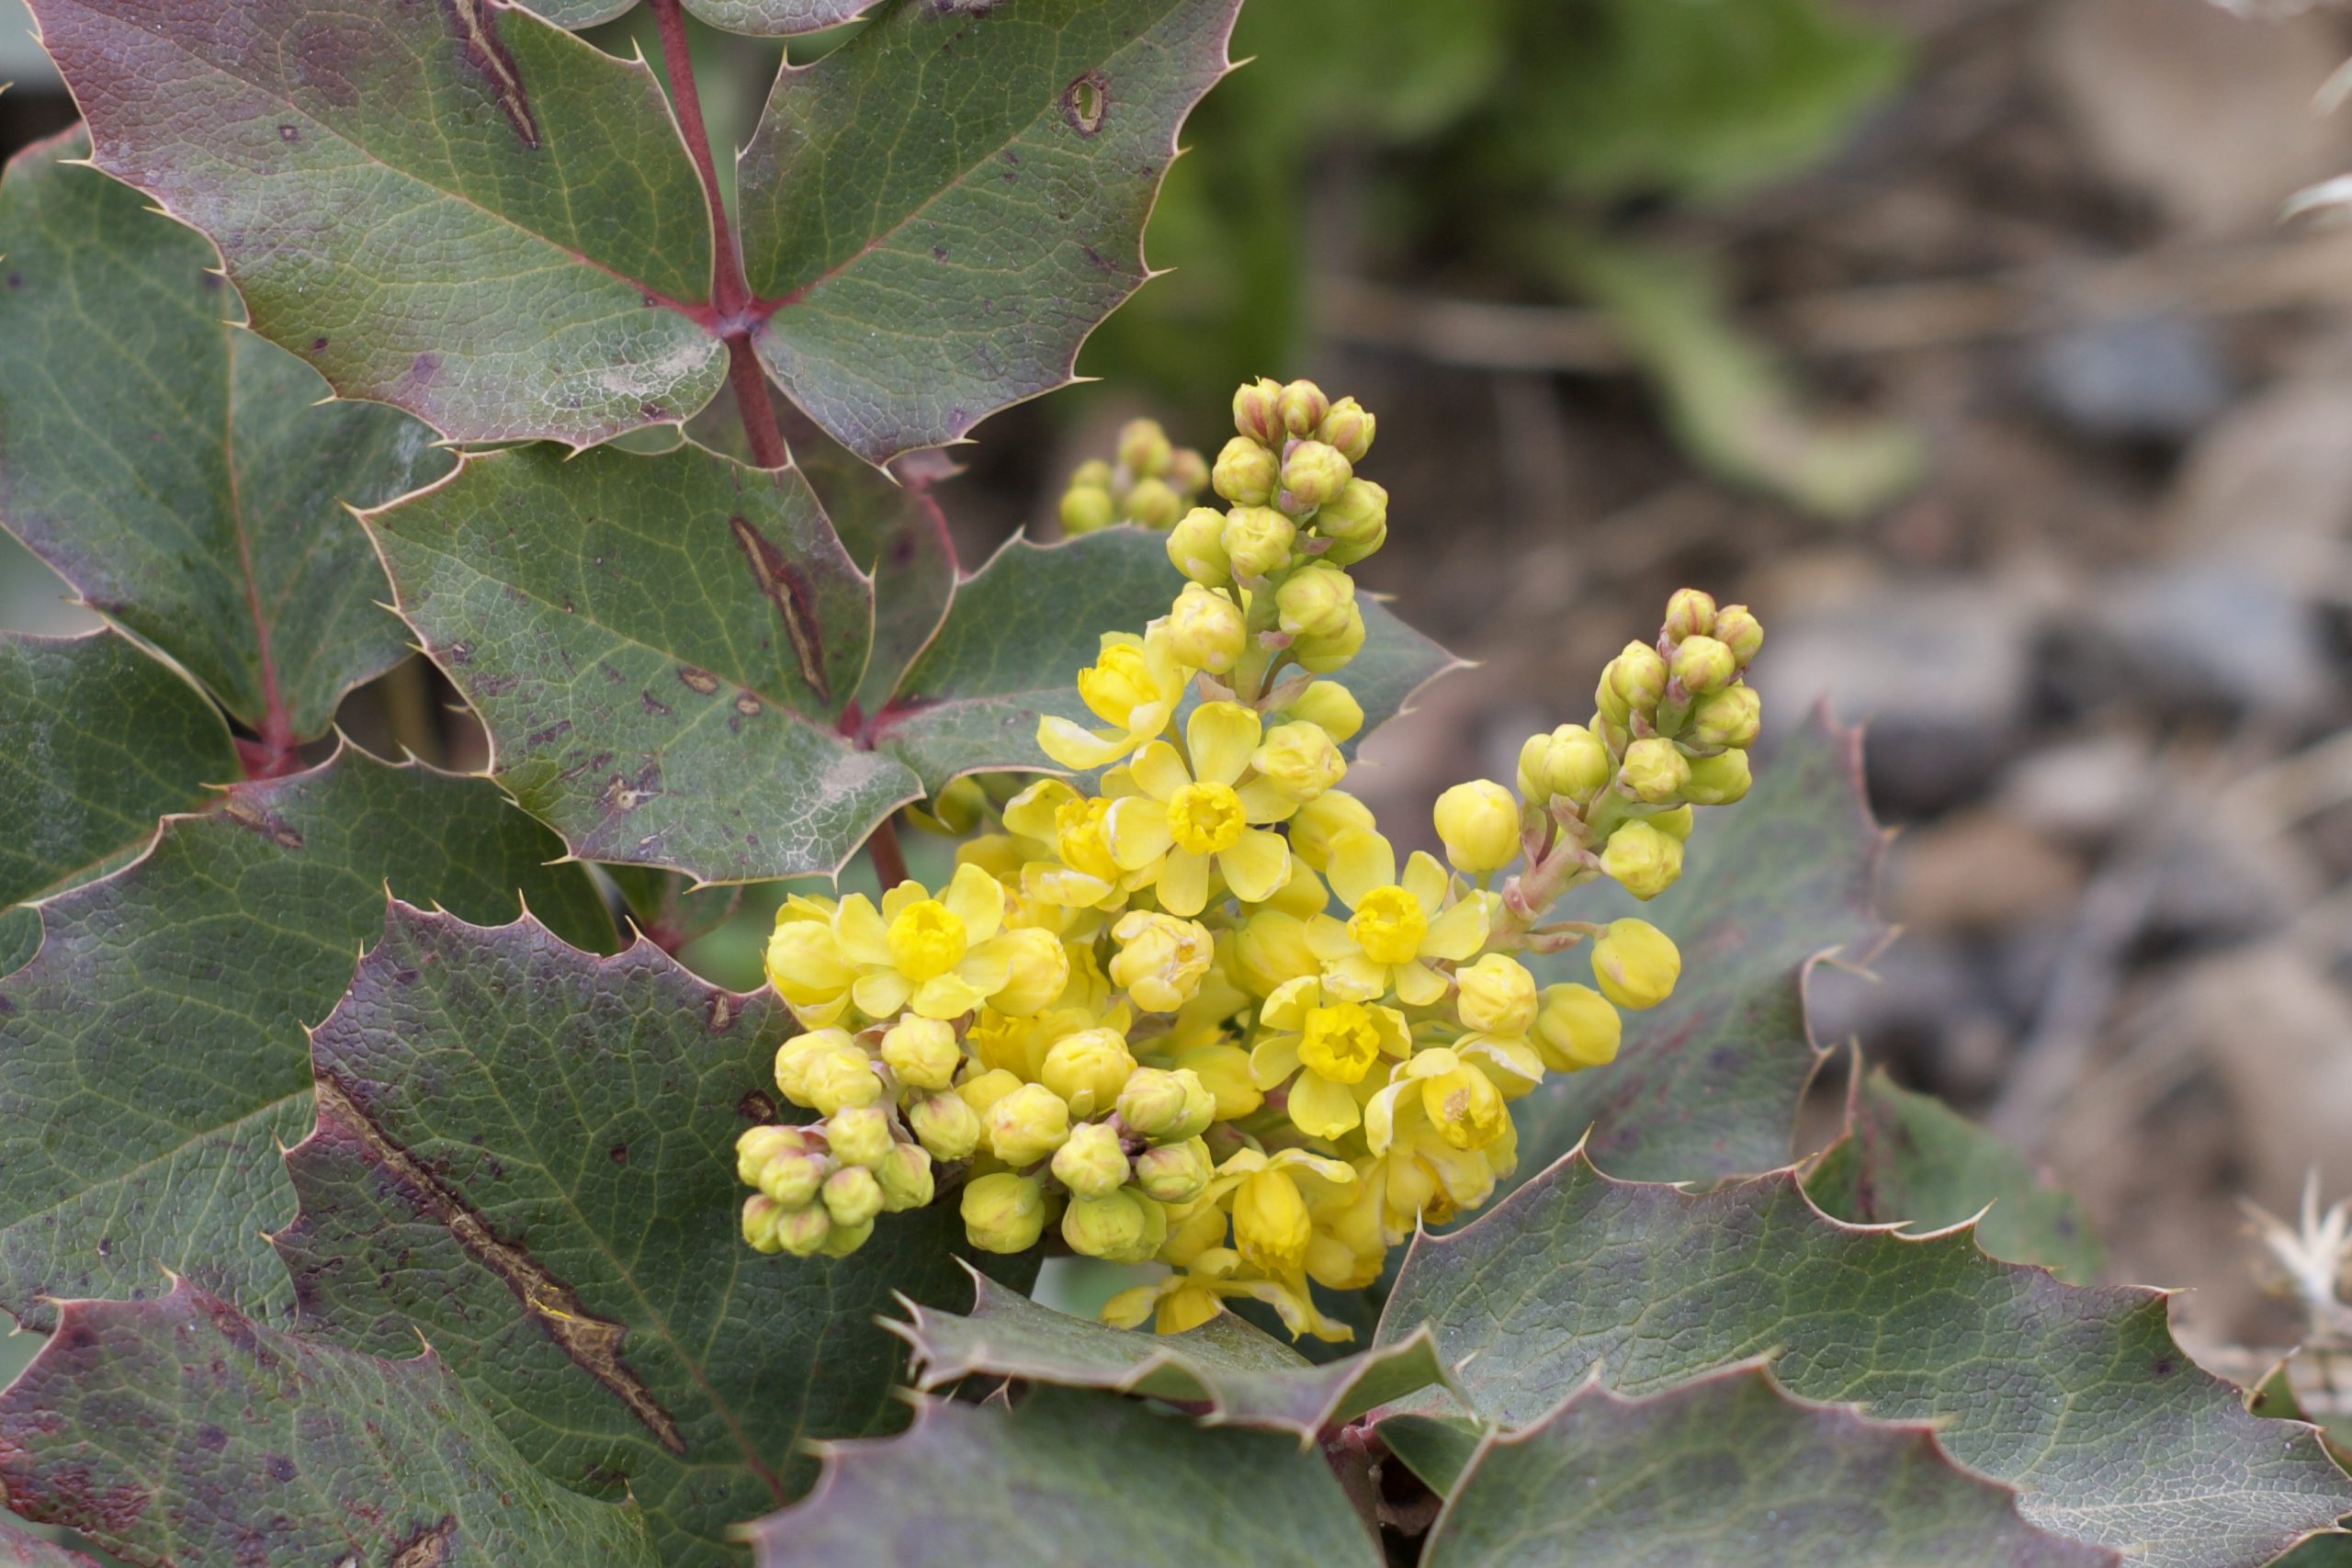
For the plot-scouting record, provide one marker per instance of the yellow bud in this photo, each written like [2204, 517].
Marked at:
[947, 1128]
[1644, 860]
[1533, 786]
[1144, 449]
[1271, 1224]
[1347, 552]
[905, 1179]
[792, 1179]
[1225, 1070]
[1330, 707]
[1737, 629]
[1154, 505]
[760, 1216]
[1632, 683]
[1196, 546]
[825, 1071]
[1166, 1106]
[1703, 665]
[760, 1144]
[1094, 473]
[1357, 513]
[1257, 540]
[1246, 472]
[1575, 1028]
[1637, 964]
[803, 1231]
[1303, 407]
[1465, 1106]
[1576, 762]
[1676, 824]
[982, 1090]
[924, 1051]
[1313, 601]
[1349, 428]
[1003, 1212]
[1120, 1227]
[1027, 1125]
[1192, 1233]
[1188, 473]
[1314, 474]
[1690, 613]
[1270, 948]
[803, 963]
[1039, 972]
[1257, 412]
[1085, 1071]
[1175, 1173]
[1086, 508]
[1729, 718]
[1092, 1164]
[1655, 770]
[1321, 655]
[859, 1135]
[1206, 629]
[1497, 995]
[842, 1240]
[1718, 780]
[1299, 760]
[852, 1196]
[1161, 964]
[1478, 824]
[1324, 818]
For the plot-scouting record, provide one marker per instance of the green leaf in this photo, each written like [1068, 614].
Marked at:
[1708, 1083]
[1068, 1477]
[1240, 1376]
[18, 1549]
[97, 741]
[525, 1154]
[455, 209]
[151, 1054]
[1607, 1482]
[174, 468]
[1909, 1158]
[766, 19]
[937, 213]
[2078, 1398]
[661, 648]
[178, 1430]
[892, 527]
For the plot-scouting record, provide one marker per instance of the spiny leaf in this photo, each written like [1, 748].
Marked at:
[151, 1054]
[2078, 1398]
[767, 19]
[1068, 1477]
[938, 212]
[457, 207]
[179, 1430]
[892, 526]
[525, 1154]
[1709, 1080]
[1607, 1482]
[1241, 1376]
[97, 741]
[176, 468]
[1909, 1158]
[662, 648]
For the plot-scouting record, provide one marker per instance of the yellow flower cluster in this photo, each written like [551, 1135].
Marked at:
[1188, 1007]
[1149, 483]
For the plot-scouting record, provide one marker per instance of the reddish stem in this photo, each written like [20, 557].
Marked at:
[889, 860]
[750, 388]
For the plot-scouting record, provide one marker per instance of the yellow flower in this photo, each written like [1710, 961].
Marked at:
[1576, 1028]
[804, 962]
[1453, 1097]
[938, 957]
[1133, 685]
[1070, 824]
[1273, 1228]
[1318, 824]
[1223, 1071]
[1162, 959]
[1395, 927]
[1271, 948]
[1423, 1177]
[1299, 761]
[1187, 820]
[1330, 1044]
[1478, 823]
[1635, 964]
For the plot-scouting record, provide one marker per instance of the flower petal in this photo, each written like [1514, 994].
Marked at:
[1286, 1005]
[1159, 771]
[1031, 813]
[1379, 1118]
[1322, 1108]
[1354, 977]
[1184, 883]
[880, 993]
[1458, 933]
[1262, 803]
[1273, 1059]
[1074, 746]
[858, 927]
[977, 900]
[1361, 861]
[1419, 986]
[1255, 865]
[1222, 736]
[1136, 831]
[1327, 938]
[1425, 880]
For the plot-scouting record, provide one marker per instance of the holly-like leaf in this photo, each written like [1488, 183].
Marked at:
[662, 648]
[1708, 1082]
[152, 1053]
[1236, 1375]
[457, 209]
[179, 1430]
[174, 467]
[2078, 1398]
[893, 527]
[1068, 1477]
[525, 1154]
[97, 741]
[765, 18]
[936, 214]
[1909, 1158]
[1607, 1482]
[18, 1549]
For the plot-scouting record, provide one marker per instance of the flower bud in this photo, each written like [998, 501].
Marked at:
[1257, 540]
[1575, 1028]
[1718, 780]
[852, 1196]
[945, 1125]
[1729, 718]
[1655, 770]
[1164, 1106]
[1175, 1173]
[1497, 995]
[1313, 601]
[859, 1135]
[1632, 683]
[1037, 973]
[1271, 948]
[1144, 449]
[1027, 1125]
[1246, 473]
[1154, 505]
[1188, 473]
[924, 1051]
[793, 1056]
[1086, 508]
[1003, 1212]
[1347, 552]
[905, 1179]
[1224, 1070]
[1576, 762]
[827, 1076]
[1302, 407]
[1358, 512]
[1206, 629]
[1478, 824]
[1644, 860]
[1703, 665]
[1321, 655]
[1161, 964]
[1196, 546]
[955, 810]
[1092, 474]
[1121, 1227]
[1330, 707]
[803, 1231]
[1635, 964]
[1257, 412]
[1690, 613]
[842, 1240]
[1737, 629]
[760, 1216]
[1676, 824]
[1314, 474]
[1349, 428]
[791, 1180]
[760, 1144]
[1271, 1224]
[1324, 818]
[1092, 1164]
[982, 1090]
[1533, 786]
[1465, 1106]
[1299, 761]
[1086, 1071]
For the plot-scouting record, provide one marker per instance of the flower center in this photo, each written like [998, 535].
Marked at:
[1463, 1108]
[1205, 818]
[1339, 1043]
[1077, 838]
[1116, 684]
[1388, 926]
[926, 939]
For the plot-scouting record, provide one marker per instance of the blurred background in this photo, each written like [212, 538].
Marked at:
[1964, 340]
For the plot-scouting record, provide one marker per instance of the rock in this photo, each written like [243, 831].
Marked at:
[2080, 789]
[2277, 470]
[2133, 377]
[2203, 633]
[1976, 871]
[2279, 1035]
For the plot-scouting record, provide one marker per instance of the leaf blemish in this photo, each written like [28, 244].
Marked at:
[476, 31]
[785, 587]
[1085, 101]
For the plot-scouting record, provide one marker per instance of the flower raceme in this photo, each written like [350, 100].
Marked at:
[1188, 1008]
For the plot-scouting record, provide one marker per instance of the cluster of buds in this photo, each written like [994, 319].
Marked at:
[1189, 1007]
[1149, 483]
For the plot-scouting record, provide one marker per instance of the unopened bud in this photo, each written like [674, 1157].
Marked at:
[924, 1051]
[1003, 1212]
[1644, 860]
[1690, 613]
[760, 1144]
[859, 1135]
[1196, 546]
[803, 1231]
[1299, 761]
[945, 1125]
[1738, 630]
[1575, 1028]
[1027, 1125]
[1206, 629]
[1632, 683]
[852, 1196]
[1497, 995]
[1302, 407]
[1703, 665]
[1313, 601]
[1718, 780]
[1166, 1106]
[1675, 824]
[1359, 512]
[1321, 655]
[1036, 972]
[1092, 1164]
[1257, 412]
[1257, 540]
[791, 1180]
[1144, 449]
[1330, 707]
[1092, 474]
[827, 1075]
[1086, 508]
[1188, 473]
[1154, 505]
[1730, 718]
[1175, 1173]
[1635, 964]
[905, 1179]
[1121, 1227]
[1314, 474]
[1161, 961]
[1086, 1071]
[1654, 771]
[982, 1090]
[1478, 824]
[1576, 762]
[760, 1216]
[1349, 428]
[842, 1240]
[1246, 473]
